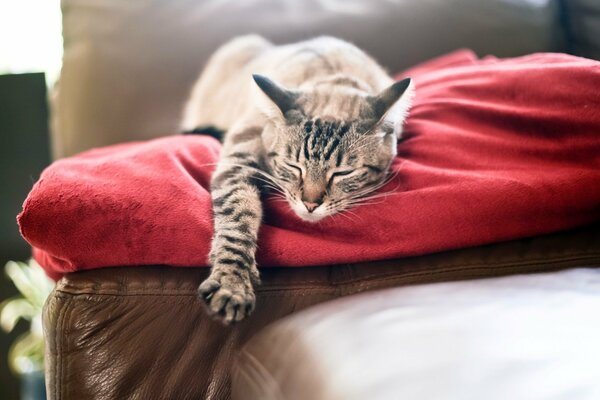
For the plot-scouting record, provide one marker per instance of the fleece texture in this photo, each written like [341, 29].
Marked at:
[493, 149]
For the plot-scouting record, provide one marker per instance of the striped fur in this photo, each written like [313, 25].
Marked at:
[320, 130]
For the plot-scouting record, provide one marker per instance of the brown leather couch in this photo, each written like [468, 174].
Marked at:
[519, 337]
[140, 332]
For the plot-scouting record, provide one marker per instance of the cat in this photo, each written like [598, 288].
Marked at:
[316, 122]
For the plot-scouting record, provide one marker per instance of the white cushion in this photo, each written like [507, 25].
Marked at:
[528, 337]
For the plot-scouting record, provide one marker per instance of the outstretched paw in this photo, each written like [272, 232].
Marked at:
[228, 294]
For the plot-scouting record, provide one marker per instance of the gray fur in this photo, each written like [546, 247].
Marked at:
[315, 122]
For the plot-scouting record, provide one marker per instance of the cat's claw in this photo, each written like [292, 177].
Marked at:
[229, 296]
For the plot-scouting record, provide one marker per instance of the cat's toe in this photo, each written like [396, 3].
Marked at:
[246, 307]
[218, 302]
[228, 301]
[208, 288]
[236, 309]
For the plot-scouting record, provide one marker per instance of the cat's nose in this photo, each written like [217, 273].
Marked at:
[311, 206]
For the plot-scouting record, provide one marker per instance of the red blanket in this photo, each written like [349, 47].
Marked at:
[493, 150]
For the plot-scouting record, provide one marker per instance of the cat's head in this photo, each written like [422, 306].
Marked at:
[326, 163]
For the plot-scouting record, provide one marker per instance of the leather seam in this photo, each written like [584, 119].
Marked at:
[68, 317]
[361, 280]
[65, 287]
[176, 298]
[56, 358]
[59, 351]
[486, 266]
[365, 285]
[60, 343]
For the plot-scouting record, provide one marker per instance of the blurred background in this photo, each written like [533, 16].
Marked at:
[78, 74]
[30, 60]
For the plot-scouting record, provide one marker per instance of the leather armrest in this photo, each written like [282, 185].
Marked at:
[141, 332]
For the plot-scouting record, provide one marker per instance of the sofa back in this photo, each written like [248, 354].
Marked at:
[129, 65]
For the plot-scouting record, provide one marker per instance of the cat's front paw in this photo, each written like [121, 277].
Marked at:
[229, 294]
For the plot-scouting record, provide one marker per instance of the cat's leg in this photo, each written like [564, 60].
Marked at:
[237, 209]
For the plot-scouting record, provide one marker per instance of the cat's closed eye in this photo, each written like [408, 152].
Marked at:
[295, 168]
[287, 172]
[342, 173]
[339, 174]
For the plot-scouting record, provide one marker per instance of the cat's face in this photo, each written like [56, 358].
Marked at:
[324, 166]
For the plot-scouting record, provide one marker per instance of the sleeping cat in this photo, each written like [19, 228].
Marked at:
[315, 122]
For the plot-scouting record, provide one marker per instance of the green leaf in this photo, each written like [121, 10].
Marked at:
[31, 280]
[19, 274]
[27, 354]
[12, 310]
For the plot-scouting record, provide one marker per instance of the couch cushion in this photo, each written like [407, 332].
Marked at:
[493, 150]
[129, 65]
[519, 337]
[142, 333]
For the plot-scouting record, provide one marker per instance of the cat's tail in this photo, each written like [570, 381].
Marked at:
[210, 130]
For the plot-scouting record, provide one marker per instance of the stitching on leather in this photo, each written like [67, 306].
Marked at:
[67, 349]
[335, 287]
[483, 265]
[510, 264]
[365, 285]
[59, 349]
[54, 382]
[59, 343]
[151, 299]
[191, 298]
[363, 282]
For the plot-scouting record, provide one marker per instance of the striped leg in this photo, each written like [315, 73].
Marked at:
[228, 290]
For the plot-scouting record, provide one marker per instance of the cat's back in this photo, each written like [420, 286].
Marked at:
[225, 92]
[298, 63]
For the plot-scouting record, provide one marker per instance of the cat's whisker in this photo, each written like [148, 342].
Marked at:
[379, 194]
[367, 198]
[353, 213]
[270, 178]
[278, 199]
[364, 138]
[260, 171]
[374, 188]
[344, 213]
[274, 188]
[363, 203]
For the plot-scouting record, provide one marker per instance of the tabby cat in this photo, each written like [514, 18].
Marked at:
[318, 126]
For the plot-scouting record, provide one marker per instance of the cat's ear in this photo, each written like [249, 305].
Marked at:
[400, 93]
[283, 98]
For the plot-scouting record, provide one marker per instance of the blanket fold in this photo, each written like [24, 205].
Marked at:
[493, 150]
